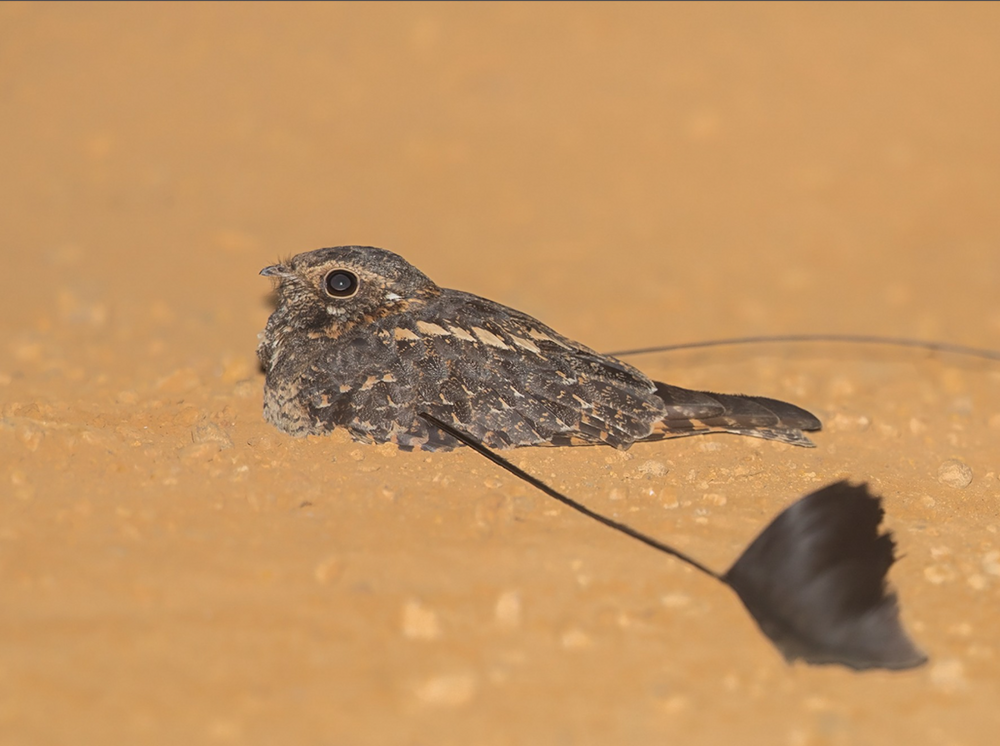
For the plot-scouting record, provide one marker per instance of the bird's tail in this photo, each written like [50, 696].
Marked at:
[696, 412]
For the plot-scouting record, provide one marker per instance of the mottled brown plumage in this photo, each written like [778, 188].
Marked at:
[362, 340]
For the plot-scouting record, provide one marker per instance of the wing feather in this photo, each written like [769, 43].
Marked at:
[501, 375]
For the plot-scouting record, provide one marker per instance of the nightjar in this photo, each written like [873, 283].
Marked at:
[361, 339]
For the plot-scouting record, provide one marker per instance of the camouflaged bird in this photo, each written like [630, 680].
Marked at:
[364, 341]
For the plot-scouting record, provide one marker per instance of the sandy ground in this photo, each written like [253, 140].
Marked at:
[173, 569]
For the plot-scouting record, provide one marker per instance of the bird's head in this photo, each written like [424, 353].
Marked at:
[330, 291]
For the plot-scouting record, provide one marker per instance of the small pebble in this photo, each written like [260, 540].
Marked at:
[576, 639]
[447, 691]
[261, 442]
[675, 600]
[419, 622]
[209, 432]
[653, 468]
[955, 473]
[948, 675]
[938, 574]
[508, 609]
[243, 389]
[991, 563]
[328, 570]
[126, 397]
[976, 581]
[675, 704]
[842, 422]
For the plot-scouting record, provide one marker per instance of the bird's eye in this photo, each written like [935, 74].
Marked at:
[341, 284]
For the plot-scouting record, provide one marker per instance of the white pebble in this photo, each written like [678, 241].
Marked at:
[329, 569]
[576, 639]
[991, 563]
[948, 675]
[653, 468]
[448, 690]
[955, 473]
[508, 609]
[419, 622]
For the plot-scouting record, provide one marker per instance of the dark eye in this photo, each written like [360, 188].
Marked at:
[341, 284]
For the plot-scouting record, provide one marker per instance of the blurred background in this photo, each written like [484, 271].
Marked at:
[671, 172]
[632, 174]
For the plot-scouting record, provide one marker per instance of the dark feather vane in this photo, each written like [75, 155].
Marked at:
[814, 580]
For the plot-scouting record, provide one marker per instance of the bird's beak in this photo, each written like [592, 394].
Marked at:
[275, 270]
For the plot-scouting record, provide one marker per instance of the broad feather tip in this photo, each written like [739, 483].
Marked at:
[815, 582]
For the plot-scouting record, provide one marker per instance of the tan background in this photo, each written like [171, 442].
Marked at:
[173, 570]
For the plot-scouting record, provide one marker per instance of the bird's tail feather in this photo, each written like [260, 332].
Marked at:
[696, 412]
